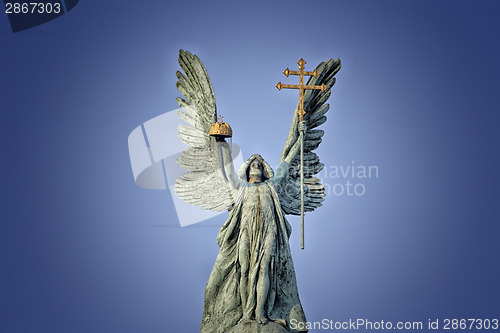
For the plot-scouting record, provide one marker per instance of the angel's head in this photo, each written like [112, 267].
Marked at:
[256, 170]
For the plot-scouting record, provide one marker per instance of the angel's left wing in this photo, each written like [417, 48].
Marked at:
[315, 108]
[205, 184]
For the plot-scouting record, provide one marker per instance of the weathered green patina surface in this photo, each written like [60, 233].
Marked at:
[252, 287]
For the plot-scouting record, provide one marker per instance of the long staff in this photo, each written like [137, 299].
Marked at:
[302, 189]
[301, 114]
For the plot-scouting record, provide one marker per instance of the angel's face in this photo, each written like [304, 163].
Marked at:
[256, 169]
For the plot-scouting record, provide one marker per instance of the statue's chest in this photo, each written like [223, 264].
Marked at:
[258, 197]
[258, 211]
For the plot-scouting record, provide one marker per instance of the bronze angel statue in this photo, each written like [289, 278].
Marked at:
[253, 279]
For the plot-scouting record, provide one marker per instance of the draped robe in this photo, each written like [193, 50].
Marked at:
[257, 219]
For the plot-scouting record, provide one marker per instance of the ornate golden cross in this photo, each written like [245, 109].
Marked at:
[301, 85]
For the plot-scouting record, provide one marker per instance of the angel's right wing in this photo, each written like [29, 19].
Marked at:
[205, 184]
[315, 106]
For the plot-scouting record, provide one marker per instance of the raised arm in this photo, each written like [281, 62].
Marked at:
[231, 174]
[283, 168]
[296, 146]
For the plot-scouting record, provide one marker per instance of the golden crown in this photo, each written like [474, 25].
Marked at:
[221, 129]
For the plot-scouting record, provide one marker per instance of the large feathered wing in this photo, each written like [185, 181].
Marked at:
[205, 184]
[315, 108]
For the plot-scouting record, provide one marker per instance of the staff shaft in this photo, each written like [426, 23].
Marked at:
[302, 190]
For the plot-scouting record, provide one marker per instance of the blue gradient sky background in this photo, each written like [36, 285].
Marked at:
[83, 249]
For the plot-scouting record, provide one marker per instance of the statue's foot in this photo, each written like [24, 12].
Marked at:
[261, 319]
